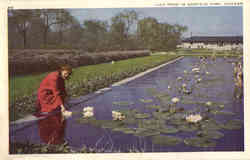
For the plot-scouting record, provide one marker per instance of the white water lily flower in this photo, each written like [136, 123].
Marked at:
[209, 103]
[117, 115]
[185, 71]
[175, 100]
[169, 87]
[88, 109]
[196, 76]
[207, 73]
[184, 85]
[194, 118]
[179, 78]
[199, 80]
[196, 70]
[88, 114]
[67, 114]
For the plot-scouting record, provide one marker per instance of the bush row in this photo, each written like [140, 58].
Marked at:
[37, 61]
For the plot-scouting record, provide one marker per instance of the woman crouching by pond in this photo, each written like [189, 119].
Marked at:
[51, 94]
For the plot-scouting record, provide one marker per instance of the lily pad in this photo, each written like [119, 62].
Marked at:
[146, 100]
[233, 124]
[168, 130]
[161, 115]
[151, 124]
[146, 133]
[112, 124]
[130, 120]
[210, 134]
[124, 130]
[211, 125]
[123, 103]
[166, 140]
[151, 91]
[216, 112]
[154, 107]
[142, 115]
[187, 128]
[199, 142]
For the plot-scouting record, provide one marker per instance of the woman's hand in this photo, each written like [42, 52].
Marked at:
[63, 108]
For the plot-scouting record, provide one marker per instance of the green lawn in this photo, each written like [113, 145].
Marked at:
[84, 80]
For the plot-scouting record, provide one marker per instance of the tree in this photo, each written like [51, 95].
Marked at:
[122, 26]
[21, 19]
[53, 17]
[94, 34]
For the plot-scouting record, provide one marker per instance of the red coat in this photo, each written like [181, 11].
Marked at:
[51, 92]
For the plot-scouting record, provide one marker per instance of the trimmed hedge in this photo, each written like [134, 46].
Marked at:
[29, 61]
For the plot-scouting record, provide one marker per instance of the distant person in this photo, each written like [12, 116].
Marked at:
[238, 79]
[51, 94]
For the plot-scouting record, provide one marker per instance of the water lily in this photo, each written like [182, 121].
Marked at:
[199, 80]
[67, 114]
[88, 114]
[196, 70]
[185, 71]
[179, 78]
[221, 106]
[184, 85]
[175, 100]
[169, 87]
[117, 115]
[194, 118]
[88, 109]
[207, 73]
[209, 103]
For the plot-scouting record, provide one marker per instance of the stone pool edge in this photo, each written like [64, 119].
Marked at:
[75, 101]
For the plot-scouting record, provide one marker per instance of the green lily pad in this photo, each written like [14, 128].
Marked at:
[85, 120]
[124, 130]
[142, 115]
[154, 107]
[151, 124]
[168, 130]
[199, 142]
[216, 112]
[130, 120]
[146, 100]
[146, 133]
[162, 96]
[210, 134]
[151, 91]
[166, 140]
[123, 103]
[211, 125]
[161, 115]
[233, 124]
[187, 128]
[112, 124]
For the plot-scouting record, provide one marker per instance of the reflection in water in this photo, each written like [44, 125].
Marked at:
[52, 129]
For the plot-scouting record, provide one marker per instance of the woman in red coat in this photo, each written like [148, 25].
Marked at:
[51, 93]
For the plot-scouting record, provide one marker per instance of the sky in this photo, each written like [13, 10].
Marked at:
[201, 21]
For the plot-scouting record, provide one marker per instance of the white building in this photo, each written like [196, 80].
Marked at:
[216, 43]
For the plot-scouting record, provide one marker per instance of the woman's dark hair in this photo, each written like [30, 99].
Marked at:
[65, 68]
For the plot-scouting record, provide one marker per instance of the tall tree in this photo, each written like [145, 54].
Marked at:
[53, 17]
[22, 21]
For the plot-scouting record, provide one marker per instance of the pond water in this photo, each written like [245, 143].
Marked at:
[164, 127]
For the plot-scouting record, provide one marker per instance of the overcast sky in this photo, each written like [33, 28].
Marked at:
[201, 21]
